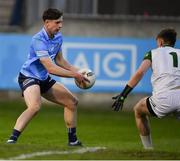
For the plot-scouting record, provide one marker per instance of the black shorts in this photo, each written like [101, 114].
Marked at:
[150, 108]
[25, 82]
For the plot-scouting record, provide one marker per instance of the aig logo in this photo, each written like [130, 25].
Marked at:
[113, 64]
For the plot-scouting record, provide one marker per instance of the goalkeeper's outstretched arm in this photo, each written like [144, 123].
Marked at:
[134, 80]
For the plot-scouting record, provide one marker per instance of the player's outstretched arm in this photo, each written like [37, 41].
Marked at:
[119, 99]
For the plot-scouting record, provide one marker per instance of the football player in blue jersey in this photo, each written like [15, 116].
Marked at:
[44, 58]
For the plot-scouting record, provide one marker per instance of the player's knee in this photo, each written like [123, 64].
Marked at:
[138, 109]
[34, 109]
[135, 110]
[76, 101]
[73, 103]
[137, 113]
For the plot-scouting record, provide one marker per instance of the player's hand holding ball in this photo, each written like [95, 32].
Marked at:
[88, 80]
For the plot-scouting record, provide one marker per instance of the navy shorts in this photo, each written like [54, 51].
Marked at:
[25, 82]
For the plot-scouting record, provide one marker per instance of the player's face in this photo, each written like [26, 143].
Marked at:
[53, 26]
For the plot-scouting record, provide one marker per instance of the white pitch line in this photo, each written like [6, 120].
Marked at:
[44, 153]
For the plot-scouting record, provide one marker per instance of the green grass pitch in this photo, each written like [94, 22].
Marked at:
[96, 128]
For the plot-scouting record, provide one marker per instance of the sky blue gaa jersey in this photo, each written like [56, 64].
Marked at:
[41, 46]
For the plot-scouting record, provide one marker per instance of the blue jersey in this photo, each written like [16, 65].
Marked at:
[41, 46]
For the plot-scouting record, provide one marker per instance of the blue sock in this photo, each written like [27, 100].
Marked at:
[15, 135]
[72, 134]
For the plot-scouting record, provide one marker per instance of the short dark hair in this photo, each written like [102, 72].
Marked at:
[168, 35]
[51, 14]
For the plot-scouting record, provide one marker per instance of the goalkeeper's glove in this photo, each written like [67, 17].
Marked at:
[118, 103]
[119, 99]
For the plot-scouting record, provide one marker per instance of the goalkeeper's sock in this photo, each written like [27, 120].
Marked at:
[15, 135]
[146, 141]
[72, 134]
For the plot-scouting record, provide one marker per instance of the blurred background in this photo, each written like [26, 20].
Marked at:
[110, 37]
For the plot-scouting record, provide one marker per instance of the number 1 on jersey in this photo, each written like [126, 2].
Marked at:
[175, 59]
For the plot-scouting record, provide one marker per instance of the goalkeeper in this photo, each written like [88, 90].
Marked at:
[165, 81]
